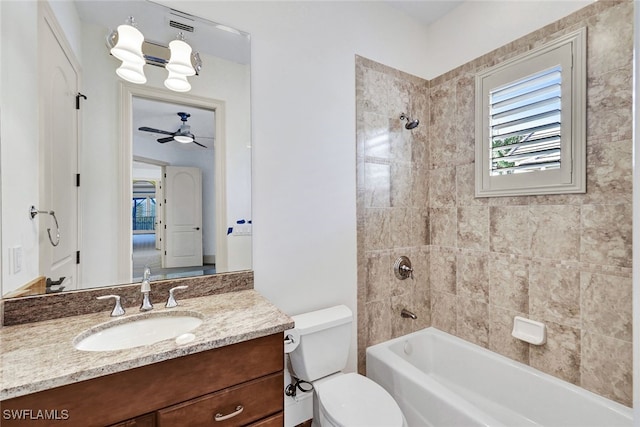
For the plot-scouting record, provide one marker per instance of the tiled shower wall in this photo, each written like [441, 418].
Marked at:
[392, 168]
[564, 260]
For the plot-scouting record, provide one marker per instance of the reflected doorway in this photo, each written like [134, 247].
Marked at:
[147, 226]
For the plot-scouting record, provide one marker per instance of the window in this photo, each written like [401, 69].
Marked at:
[530, 122]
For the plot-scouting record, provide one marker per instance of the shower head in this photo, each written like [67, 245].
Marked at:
[411, 124]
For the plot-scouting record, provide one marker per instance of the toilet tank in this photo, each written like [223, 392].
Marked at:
[325, 338]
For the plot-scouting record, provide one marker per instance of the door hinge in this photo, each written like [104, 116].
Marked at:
[165, 252]
[78, 96]
[77, 180]
[77, 257]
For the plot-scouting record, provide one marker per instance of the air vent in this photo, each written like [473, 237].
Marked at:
[180, 26]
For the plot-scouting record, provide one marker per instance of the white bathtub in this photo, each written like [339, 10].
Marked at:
[440, 380]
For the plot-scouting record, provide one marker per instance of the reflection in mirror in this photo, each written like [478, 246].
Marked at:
[64, 64]
[165, 170]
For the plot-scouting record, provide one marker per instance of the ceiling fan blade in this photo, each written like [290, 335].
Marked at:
[167, 139]
[148, 129]
[197, 143]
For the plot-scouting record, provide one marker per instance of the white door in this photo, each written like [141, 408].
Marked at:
[182, 217]
[59, 161]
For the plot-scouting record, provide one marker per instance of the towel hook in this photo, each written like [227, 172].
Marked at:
[33, 212]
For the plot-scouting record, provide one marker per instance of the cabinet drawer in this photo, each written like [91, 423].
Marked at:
[276, 420]
[235, 406]
[148, 420]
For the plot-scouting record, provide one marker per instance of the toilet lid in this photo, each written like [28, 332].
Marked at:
[353, 400]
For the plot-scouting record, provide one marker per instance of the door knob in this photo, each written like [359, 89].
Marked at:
[196, 228]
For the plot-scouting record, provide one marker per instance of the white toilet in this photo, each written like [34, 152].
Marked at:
[342, 400]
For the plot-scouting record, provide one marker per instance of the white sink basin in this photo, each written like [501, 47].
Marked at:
[137, 331]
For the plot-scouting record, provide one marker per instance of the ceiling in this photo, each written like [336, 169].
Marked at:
[425, 12]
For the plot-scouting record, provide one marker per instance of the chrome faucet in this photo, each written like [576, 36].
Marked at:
[171, 302]
[408, 314]
[145, 288]
[117, 309]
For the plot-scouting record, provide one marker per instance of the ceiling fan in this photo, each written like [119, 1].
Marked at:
[182, 135]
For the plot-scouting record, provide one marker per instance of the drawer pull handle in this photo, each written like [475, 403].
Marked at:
[220, 417]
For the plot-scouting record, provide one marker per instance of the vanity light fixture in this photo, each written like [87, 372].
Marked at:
[128, 45]
[128, 49]
[179, 66]
[180, 61]
[177, 82]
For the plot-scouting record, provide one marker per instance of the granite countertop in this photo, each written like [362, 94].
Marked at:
[39, 356]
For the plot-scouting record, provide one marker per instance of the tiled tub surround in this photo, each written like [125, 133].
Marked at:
[564, 260]
[40, 356]
[74, 303]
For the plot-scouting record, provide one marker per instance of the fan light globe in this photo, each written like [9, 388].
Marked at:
[129, 46]
[184, 139]
[180, 61]
[177, 82]
[132, 73]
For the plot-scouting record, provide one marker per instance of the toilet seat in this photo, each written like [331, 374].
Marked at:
[352, 400]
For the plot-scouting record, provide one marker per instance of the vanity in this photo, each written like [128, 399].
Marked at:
[230, 373]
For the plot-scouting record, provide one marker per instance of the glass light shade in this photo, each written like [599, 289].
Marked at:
[132, 72]
[183, 139]
[180, 61]
[129, 46]
[177, 82]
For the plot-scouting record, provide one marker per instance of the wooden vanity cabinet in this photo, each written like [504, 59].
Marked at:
[186, 391]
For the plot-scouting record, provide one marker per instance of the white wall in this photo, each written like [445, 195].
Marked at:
[478, 27]
[19, 136]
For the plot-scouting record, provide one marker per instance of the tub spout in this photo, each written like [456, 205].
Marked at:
[407, 314]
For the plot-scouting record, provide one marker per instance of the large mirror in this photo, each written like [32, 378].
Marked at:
[101, 177]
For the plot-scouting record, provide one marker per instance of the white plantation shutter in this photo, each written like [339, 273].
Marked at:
[530, 122]
[525, 118]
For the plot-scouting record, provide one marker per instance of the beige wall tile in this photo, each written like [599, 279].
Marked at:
[443, 226]
[442, 267]
[377, 223]
[473, 227]
[377, 178]
[472, 323]
[509, 230]
[560, 356]
[606, 234]
[509, 283]
[554, 294]
[607, 367]
[555, 232]
[500, 339]
[466, 188]
[400, 232]
[378, 276]
[609, 173]
[442, 187]
[606, 303]
[444, 310]
[472, 275]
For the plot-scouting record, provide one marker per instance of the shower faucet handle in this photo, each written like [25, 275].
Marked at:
[402, 268]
